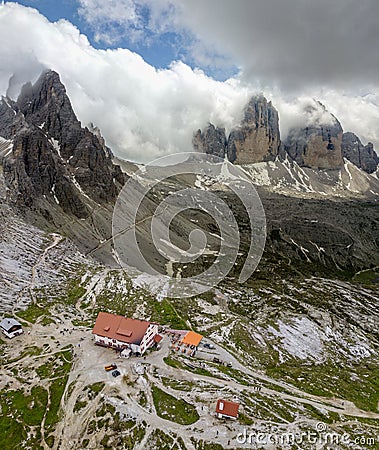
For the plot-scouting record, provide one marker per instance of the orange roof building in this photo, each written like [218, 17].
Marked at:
[227, 409]
[112, 330]
[192, 338]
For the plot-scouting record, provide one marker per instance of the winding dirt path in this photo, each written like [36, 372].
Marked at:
[57, 239]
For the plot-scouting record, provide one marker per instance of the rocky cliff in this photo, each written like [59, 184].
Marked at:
[257, 138]
[211, 141]
[317, 145]
[53, 155]
[363, 156]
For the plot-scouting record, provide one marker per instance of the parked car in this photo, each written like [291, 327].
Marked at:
[210, 346]
[116, 373]
[216, 360]
[110, 367]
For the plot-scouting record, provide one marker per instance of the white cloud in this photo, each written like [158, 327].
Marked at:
[144, 112]
[301, 112]
[357, 113]
[293, 44]
[111, 19]
[98, 11]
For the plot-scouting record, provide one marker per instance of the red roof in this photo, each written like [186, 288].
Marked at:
[158, 338]
[227, 408]
[112, 326]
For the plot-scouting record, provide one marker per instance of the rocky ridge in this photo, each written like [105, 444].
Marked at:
[52, 154]
[320, 145]
[256, 139]
[363, 156]
[58, 174]
[211, 141]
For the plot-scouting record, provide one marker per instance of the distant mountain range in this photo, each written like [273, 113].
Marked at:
[322, 144]
[48, 155]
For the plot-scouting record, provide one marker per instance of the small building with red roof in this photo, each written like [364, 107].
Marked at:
[112, 330]
[227, 409]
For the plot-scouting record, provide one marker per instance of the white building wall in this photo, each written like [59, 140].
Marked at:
[147, 340]
[225, 416]
[136, 348]
[109, 342]
[13, 334]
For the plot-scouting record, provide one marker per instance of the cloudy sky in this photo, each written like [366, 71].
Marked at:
[150, 72]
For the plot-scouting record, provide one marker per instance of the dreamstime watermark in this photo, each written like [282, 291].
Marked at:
[161, 224]
[319, 436]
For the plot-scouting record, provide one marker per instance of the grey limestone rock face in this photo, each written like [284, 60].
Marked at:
[211, 141]
[257, 139]
[52, 153]
[36, 170]
[363, 156]
[321, 144]
[11, 120]
[317, 145]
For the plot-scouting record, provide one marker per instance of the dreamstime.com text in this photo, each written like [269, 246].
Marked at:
[319, 436]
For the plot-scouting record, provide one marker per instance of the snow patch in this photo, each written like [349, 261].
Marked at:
[56, 146]
[53, 192]
[300, 339]
[79, 188]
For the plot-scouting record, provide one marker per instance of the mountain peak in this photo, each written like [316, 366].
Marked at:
[363, 156]
[317, 143]
[53, 153]
[46, 105]
[47, 88]
[257, 138]
[212, 140]
[317, 114]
